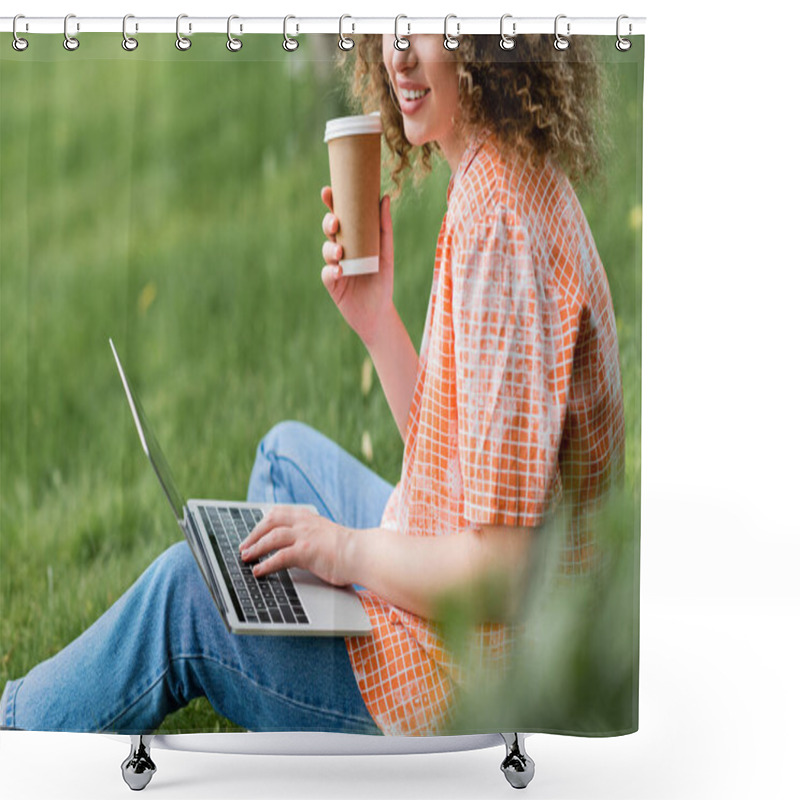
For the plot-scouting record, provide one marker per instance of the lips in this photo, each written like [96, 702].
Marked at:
[412, 97]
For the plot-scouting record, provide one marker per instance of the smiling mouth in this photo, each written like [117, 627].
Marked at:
[413, 94]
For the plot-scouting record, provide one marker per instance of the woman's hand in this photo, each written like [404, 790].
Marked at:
[299, 538]
[363, 300]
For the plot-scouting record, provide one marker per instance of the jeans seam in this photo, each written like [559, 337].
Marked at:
[135, 700]
[11, 703]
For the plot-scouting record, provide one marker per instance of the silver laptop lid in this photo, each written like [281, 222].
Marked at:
[151, 447]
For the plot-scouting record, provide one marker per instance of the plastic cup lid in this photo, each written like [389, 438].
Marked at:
[353, 126]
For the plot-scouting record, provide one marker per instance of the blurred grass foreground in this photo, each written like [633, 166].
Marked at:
[171, 201]
[573, 667]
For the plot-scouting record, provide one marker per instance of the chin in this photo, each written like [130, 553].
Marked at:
[415, 137]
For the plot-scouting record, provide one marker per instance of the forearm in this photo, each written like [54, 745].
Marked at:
[396, 361]
[416, 572]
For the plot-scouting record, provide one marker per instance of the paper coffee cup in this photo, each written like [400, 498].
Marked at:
[354, 153]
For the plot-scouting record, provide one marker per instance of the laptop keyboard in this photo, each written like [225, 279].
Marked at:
[272, 598]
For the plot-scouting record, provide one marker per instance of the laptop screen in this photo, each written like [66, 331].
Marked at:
[150, 445]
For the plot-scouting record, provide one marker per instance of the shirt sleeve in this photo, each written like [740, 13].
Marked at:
[512, 372]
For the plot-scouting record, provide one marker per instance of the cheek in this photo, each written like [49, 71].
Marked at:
[449, 83]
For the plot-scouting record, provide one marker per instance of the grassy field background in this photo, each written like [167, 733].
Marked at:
[171, 201]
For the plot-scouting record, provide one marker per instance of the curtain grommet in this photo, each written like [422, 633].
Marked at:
[345, 42]
[18, 43]
[560, 42]
[70, 42]
[401, 42]
[290, 44]
[507, 42]
[451, 42]
[181, 42]
[233, 44]
[622, 44]
[129, 43]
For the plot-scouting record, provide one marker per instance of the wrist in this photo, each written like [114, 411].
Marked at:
[383, 331]
[349, 555]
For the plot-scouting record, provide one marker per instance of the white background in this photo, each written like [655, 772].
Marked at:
[720, 608]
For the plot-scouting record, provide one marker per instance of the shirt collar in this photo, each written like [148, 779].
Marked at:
[474, 144]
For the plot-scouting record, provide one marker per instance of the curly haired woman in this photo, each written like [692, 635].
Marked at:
[512, 406]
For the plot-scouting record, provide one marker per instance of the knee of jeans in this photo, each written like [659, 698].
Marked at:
[177, 557]
[285, 438]
[287, 443]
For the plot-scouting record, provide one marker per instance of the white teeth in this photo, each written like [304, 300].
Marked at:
[407, 94]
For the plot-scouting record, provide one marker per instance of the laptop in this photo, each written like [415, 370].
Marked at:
[288, 602]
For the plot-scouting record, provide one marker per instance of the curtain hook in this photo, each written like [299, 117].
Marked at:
[560, 43]
[507, 42]
[18, 43]
[70, 42]
[233, 44]
[290, 44]
[400, 42]
[450, 42]
[182, 43]
[623, 44]
[345, 43]
[128, 42]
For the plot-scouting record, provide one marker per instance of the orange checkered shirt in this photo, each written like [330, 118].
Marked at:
[517, 404]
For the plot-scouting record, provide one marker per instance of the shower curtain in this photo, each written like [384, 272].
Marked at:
[170, 199]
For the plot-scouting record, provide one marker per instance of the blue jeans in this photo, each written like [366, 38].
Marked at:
[163, 642]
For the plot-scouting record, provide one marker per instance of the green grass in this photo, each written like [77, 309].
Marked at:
[174, 205]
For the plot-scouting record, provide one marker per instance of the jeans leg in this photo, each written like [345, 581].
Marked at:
[296, 464]
[162, 644]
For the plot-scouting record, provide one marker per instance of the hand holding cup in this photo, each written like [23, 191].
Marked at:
[359, 250]
[363, 300]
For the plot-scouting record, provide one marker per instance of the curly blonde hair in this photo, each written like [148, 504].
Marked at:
[540, 102]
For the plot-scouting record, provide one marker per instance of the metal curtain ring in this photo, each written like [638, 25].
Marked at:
[70, 42]
[560, 43]
[622, 45]
[400, 42]
[290, 44]
[181, 42]
[233, 44]
[345, 43]
[507, 42]
[18, 43]
[450, 42]
[128, 42]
